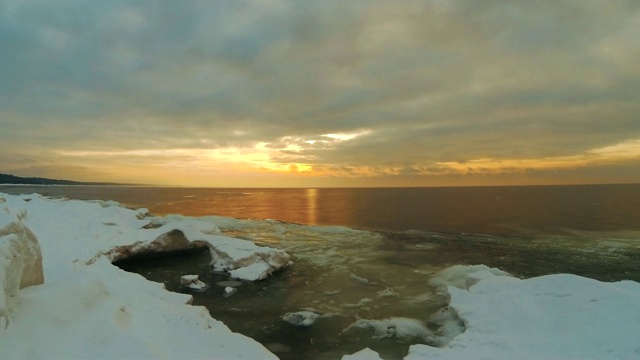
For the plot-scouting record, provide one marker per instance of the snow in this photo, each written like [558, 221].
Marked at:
[364, 354]
[20, 263]
[558, 316]
[398, 328]
[89, 308]
[192, 282]
[82, 231]
[555, 316]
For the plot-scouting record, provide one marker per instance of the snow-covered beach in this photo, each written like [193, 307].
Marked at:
[86, 307]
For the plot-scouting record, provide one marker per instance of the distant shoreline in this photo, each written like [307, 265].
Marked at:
[79, 184]
[8, 179]
[12, 180]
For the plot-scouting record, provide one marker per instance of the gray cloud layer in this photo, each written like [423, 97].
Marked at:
[432, 81]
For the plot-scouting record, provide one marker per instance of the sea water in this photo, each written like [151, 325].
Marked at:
[508, 210]
[364, 259]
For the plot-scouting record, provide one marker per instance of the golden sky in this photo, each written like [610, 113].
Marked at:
[321, 93]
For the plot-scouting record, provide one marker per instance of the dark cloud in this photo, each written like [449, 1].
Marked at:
[430, 81]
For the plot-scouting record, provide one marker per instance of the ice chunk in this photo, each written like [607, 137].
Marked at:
[364, 354]
[192, 282]
[388, 292]
[462, 276]
[20, 262]
[301, 318]
[398, 328]
[228, 291]
[245, 260]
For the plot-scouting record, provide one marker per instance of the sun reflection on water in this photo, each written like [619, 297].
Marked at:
[312, 206]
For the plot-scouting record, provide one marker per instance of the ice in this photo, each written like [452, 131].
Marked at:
[449, 325]
[229, 291]
[397, 328]
[462, 276]
[388, 292]
[88, 308]
[359, 278]
[82, 231]
[558, 316]
[364, 354]
[343, 269]
[20, 262]
[361, 303]
[301, 318]
[192, 282]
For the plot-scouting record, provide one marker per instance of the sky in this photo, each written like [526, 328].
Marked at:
[277, 93]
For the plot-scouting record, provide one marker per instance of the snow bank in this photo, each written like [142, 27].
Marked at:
[20, 262]
[550, 317]
[556, 316]
[88, 308]
[83, 231]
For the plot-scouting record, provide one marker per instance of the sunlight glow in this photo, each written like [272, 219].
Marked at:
[629, 148]
[345, 137]
[615, 153]
[292, 158]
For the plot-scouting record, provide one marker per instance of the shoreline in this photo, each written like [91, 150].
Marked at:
[80, 283]
[85, 297]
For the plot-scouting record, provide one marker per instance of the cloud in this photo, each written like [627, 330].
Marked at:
[424, 82]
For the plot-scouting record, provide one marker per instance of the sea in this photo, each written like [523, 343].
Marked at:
[364, 258]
